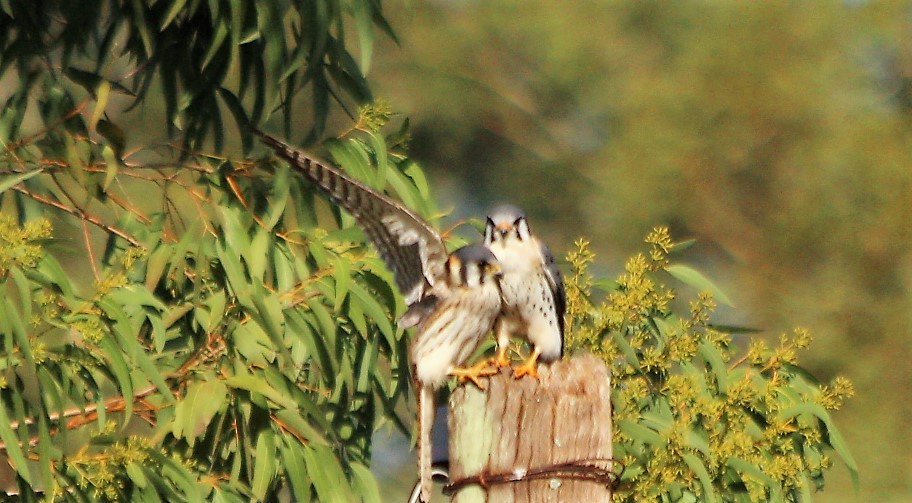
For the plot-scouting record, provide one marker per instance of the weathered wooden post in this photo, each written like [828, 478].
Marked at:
[533, 440]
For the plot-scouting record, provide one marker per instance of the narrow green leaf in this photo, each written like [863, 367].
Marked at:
[365, 484]
[218, 39]
[216, 303]
[641, 433]
[12, 181]
[696, 279]
[257, 385]
[323, 469]
[695, 464]
[114, 356]
[367, 363]
[135, 472]
[253, 344]
[173, 11]
[23, 287]
[295, 423]
[15, 456]
[112, 165]
[375, 311]
[47, 453]
[231, 264]
[257, 255]
[174, 470]
[295, 469]
[102, 92]
[744, 466]
[711, 355]
[141, 25]
[264, 469]
[362, 11]
[342, 275]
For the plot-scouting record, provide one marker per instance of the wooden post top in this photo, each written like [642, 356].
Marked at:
[528, 440]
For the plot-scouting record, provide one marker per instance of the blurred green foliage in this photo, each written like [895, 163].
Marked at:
[777, 133]
[201, 59]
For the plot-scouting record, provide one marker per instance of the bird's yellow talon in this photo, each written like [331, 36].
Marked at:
[480, 369]
[501, 359]
[529, 367]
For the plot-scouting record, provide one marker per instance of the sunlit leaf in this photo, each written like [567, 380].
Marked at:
[11, 181]
[265, 468]
[696, 279]
[199, 405]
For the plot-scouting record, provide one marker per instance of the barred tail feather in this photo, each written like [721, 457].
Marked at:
[425, 422]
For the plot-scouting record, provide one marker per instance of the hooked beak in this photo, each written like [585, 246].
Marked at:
[496, 271]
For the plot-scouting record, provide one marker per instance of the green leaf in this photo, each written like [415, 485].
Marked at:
[173, 11]
[120, 369]
[231, 264]
[193, 414]
[257, 385]
[342, 275]
[12, 181]
[264, 470]
[710, 353]
[375, 311]
[253, 344]
[221, 33]
[706, 482]
[15, 456]
[696, 279]
[362, 10]
[365, 484]
[257, 255]
[174, 470]
[111, 166]
[135, 472]
[328, 478]
[295, 469]
[744, 466]
[641, 433]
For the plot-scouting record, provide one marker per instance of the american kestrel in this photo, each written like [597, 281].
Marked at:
[454, 298]
[464, 308]
[534, 299]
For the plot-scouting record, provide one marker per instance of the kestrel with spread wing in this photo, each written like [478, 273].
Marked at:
[454, 299]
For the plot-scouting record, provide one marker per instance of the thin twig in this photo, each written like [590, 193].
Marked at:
[77, 212]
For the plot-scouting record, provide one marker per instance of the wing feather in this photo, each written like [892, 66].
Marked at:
[556, 282]
[409, 246]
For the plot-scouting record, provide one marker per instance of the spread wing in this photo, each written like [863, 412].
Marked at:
[411, 248]
[556, 282]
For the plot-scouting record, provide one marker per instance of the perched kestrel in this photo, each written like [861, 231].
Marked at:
[534, 299]
[462, 314]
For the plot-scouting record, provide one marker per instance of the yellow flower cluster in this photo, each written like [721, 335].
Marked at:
[691, 420]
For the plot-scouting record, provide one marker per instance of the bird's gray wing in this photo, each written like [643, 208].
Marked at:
[556, 282]
[411, 248]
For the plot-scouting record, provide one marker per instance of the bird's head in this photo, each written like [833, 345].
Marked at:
[506, 222]
[472, 265]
